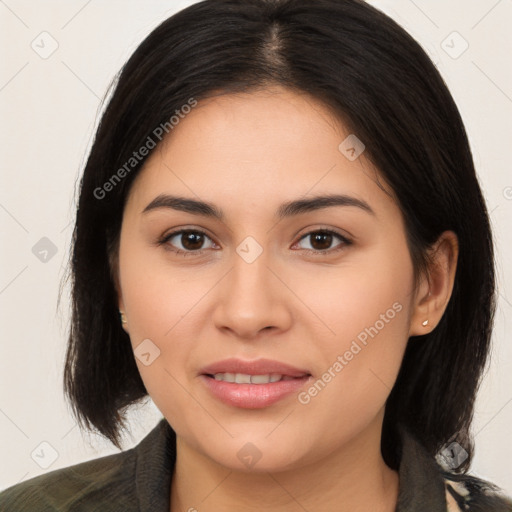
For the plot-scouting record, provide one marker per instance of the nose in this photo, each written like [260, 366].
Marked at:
[252, 298]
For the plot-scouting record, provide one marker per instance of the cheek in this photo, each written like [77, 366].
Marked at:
[371, 290]
[157, 294]
[156, 302]
[161, 310]
[366, 307]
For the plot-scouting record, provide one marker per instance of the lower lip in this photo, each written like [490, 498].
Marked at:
[253, 396]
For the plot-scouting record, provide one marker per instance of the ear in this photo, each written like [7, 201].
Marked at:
[435, 289]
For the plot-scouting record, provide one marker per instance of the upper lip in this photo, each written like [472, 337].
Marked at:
[255, 367]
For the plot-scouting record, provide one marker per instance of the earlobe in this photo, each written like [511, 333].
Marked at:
[115, 277]
[123, 319]
[122, 315]
[436, 288]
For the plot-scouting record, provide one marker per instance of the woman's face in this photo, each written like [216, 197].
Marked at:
[260, 285]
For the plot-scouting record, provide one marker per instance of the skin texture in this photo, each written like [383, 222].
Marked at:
[247, 154]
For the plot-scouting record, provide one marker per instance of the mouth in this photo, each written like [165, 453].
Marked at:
[253, 384]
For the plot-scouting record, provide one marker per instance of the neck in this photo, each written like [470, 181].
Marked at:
[353, 478]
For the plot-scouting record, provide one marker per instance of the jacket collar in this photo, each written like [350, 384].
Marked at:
[421, 487]
[156, 457]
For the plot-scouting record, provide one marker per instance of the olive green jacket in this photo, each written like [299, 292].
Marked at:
[139, 480]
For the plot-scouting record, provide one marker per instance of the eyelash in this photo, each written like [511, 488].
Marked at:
[346, 242]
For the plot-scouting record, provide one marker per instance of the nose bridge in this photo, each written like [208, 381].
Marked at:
[250, 298]
[250, 279]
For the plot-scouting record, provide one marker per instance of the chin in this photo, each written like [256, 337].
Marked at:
[249, 455]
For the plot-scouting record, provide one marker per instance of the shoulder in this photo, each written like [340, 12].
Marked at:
[104, 481]
[465, 493]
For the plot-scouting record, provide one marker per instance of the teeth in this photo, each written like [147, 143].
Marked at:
[226, 377]
[244, 378]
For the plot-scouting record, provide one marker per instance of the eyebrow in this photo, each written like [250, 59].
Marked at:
[288, 209]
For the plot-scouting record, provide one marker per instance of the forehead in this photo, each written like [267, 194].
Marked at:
[251, 148]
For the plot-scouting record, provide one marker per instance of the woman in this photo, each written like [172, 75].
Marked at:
[282, 241]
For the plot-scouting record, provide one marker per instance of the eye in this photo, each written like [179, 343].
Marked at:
[322, 239]
[191, 241]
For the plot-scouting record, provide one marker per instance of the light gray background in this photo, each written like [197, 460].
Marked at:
[48, 112]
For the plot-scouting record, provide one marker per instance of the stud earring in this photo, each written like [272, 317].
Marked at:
[424, 323]
[123, 317]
